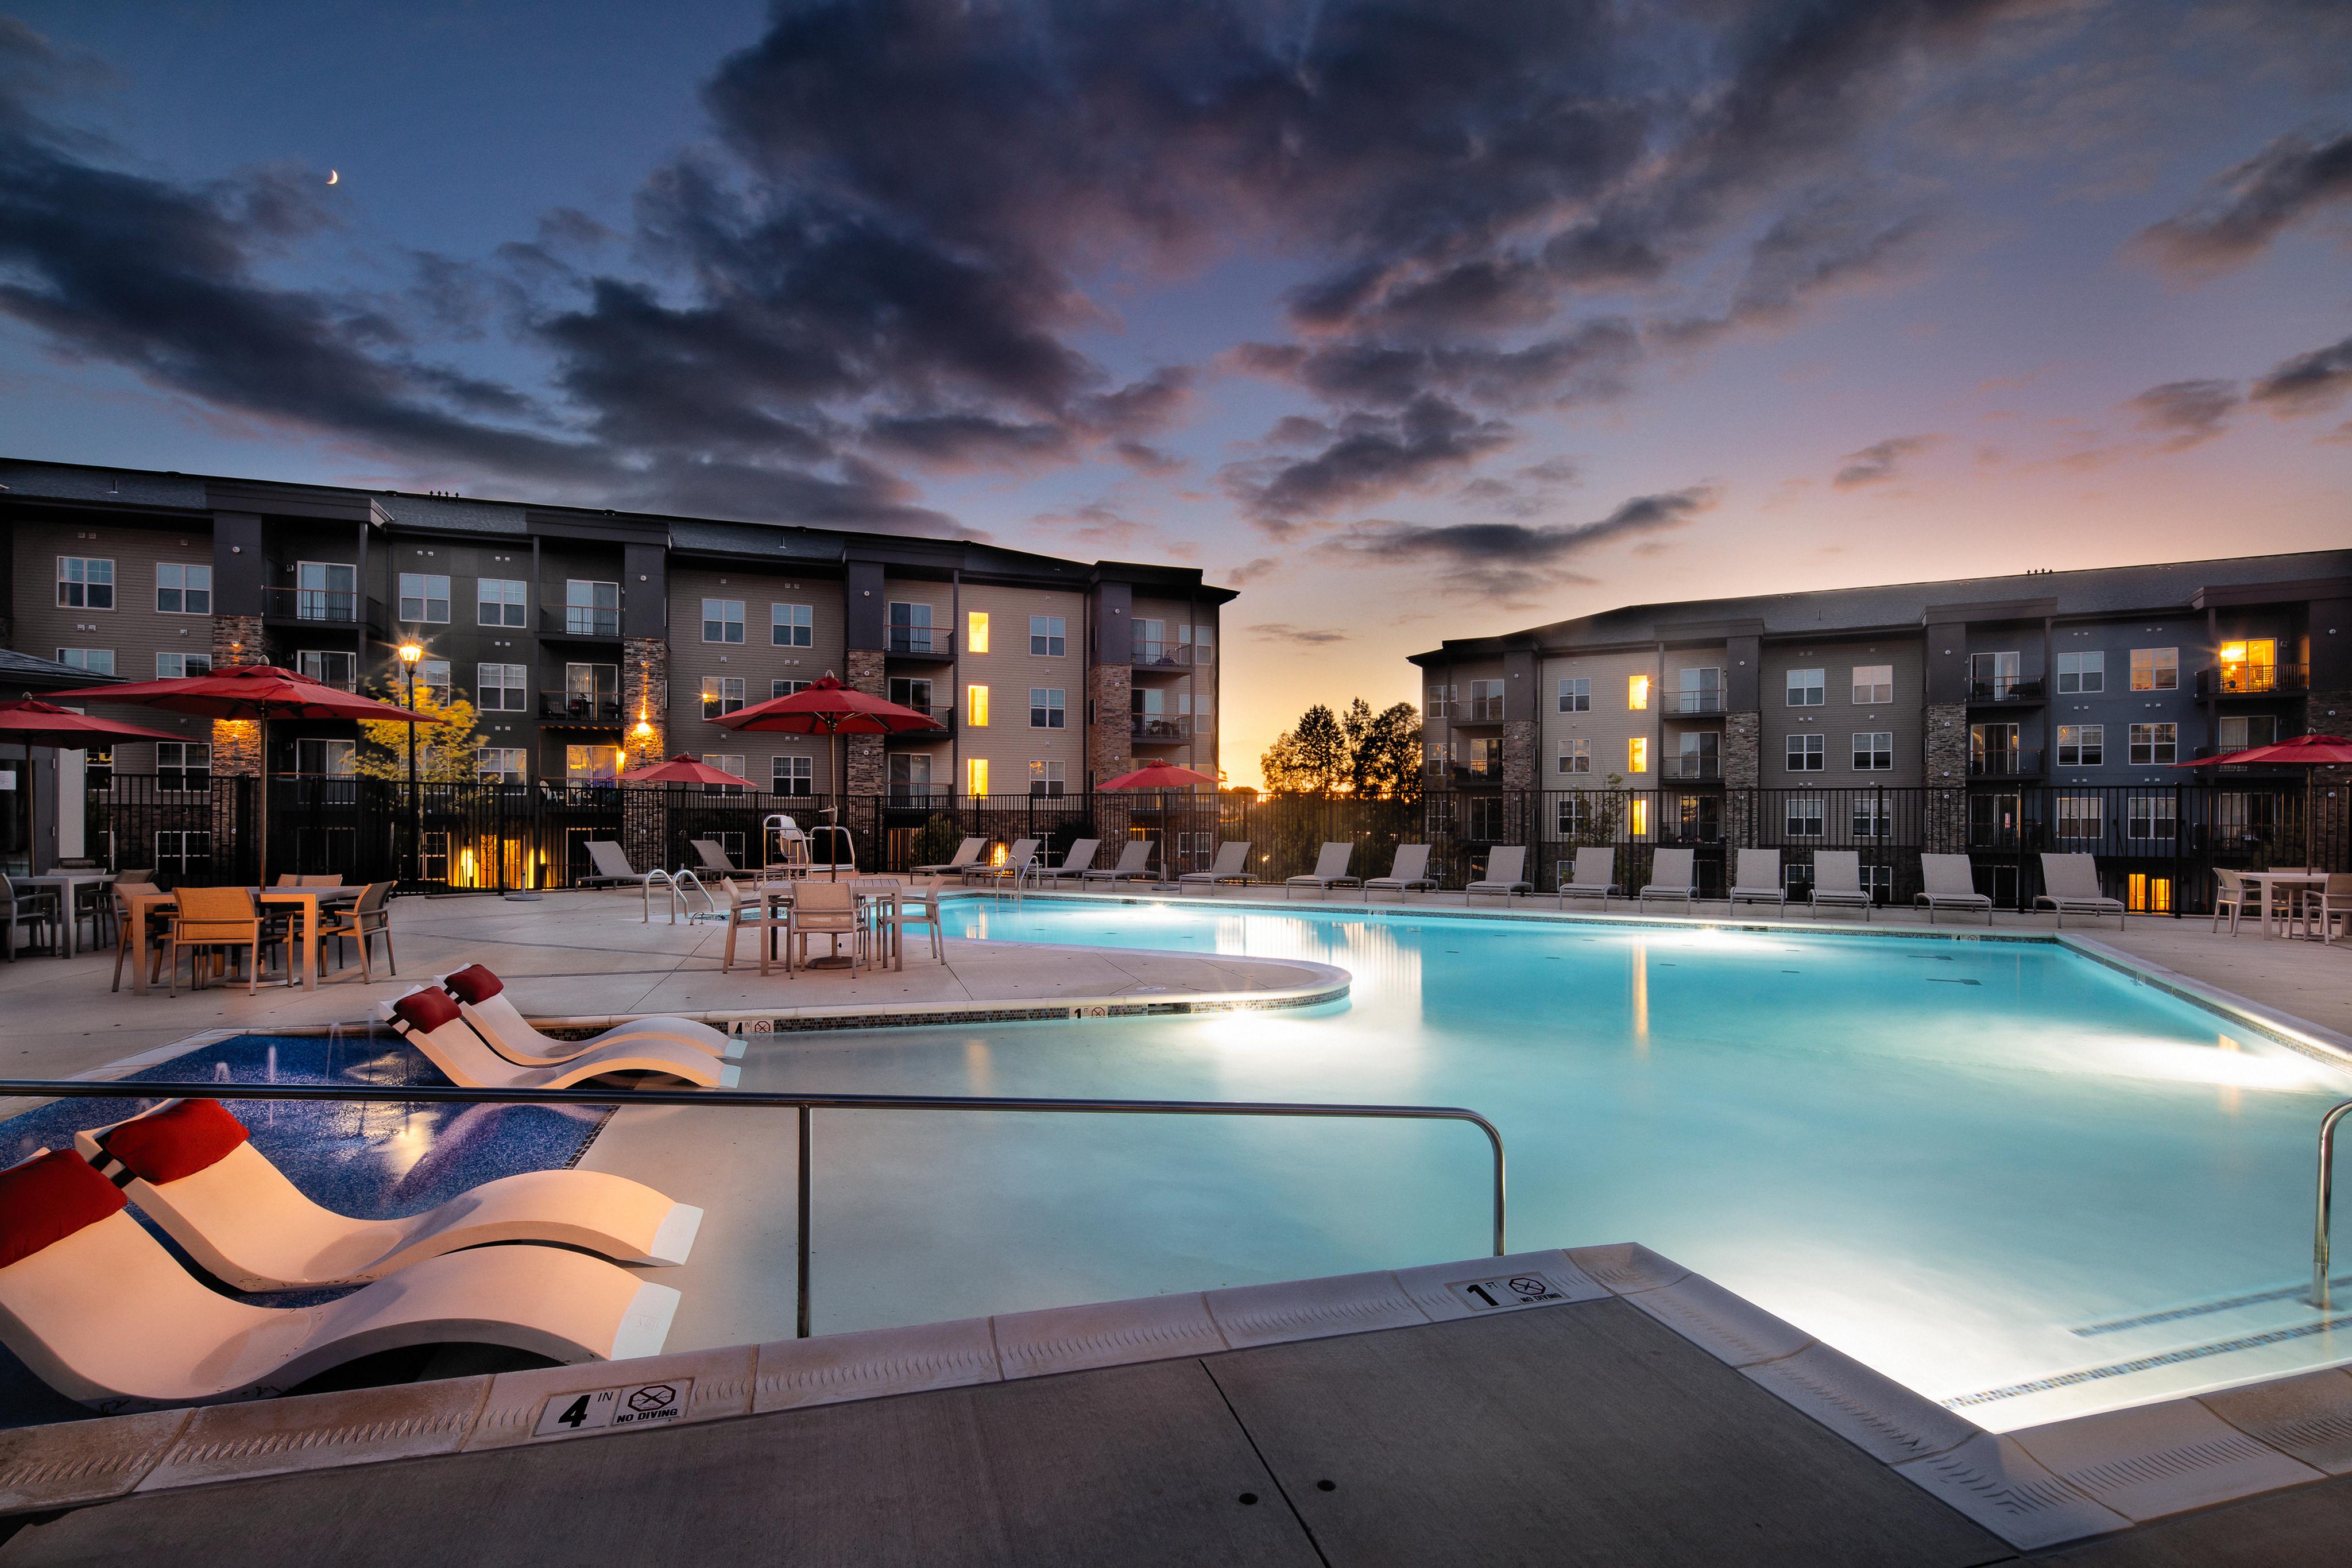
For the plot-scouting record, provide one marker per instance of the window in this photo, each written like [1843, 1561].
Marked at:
[1048, 778]
[324, 758]
[499, 688]
[1048, 708]
[336, 669]
[1486, 817]
[325, 591]
[1049, 636]
[2238, 733]
[1872, 685]
[500, 601]
[183, 765]
[1569, 815]
[2079, 817]
[85, 582]
[1486, 699]
[910, 628]
[2149, 817]
[1441, 701]
[785, 688]
[975, 712]
[1802, 819]
[1637, 816]
[591, 764]
[432, 674]
[975, 775]
[1575, 695]
[1806, 688]
[592, 608]
[2250, 667]
[1152, 646]
[1874, 818]
[975, 636]
[180, 666]
[722, 621]
[187, 853]
[1807, 753]
[721, 694]
[2154, 745]
[182, 589]
[910, 779]
[2084, 672]
[792, 775]
[910, 692]
[1637, 692]
[97, 660]
[2146, 895]
[1993, 677]
[1874, 751]
[2155, 669]
[423, 596]
[1575, 757]
[499, 764]
[1698, 754]
[1637, 753]
[1203, 639]
[791, 625]
[1702, 691]
[2081, 745]
[591, 690]
[725, 761]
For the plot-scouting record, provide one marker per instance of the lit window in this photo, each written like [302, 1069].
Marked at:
[975, 638]
[2146, 895]
[1637, 692]
[975, 775]
[1638, 817]
[2250, 667]
[721, 694]
[1637, 753]
[975, 712]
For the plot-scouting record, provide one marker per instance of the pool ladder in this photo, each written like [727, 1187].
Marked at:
[2327, 1200]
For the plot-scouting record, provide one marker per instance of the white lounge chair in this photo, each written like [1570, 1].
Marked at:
[1950, 882]
[188, 1167]
[1673, 874]
[1016, 862]
[2073, 882]
[1594, 875]
[1232, 856]
[1330, 869]
[100, 1311]
[428, 1018]
[1410, 871]
[1837, 882]
[1134, 862]
[482, 997]
[1758, 881]
[1076, 863]
[614, 870]
[1507, 867]
[967, 853]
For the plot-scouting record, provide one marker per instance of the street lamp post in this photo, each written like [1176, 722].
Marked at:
[410, 651]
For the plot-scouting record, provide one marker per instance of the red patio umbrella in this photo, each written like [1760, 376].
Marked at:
[1158, 776]
[825, 707]
[256, 692]
[29, 724]
[2308, 752]
[680, 770]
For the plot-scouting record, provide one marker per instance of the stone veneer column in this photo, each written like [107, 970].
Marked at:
[237, 743]
[644, 691]
[1947, 778]
[1743, 769]
[1519, 754]
[1112, 692]
[864, 768]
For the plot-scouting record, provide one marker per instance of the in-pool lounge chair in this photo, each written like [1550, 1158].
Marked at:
[428, 1018]
[1594, 875]
[1232, 856]
[1950, 882]
[1410, 871]
[1016, 864]
[482, 999]
[1837, 882]
[967, 854]
[189, 1167]
[1134, 863]
[612, 870]
[2072, 885]
[1330, 869]
[1076, 863]
[1673, 874]
[1759, 881]
[1507, 866]
[100, 1311]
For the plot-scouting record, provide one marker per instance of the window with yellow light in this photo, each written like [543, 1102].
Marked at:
[975, 707]
[975, 775]
[1637, 692]
[1637, 753]
[1638, 819]
[2250, 665]
[975, 632]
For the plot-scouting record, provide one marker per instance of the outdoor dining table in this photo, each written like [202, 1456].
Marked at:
[310, 899]
[65, 883]
[874, 898]
[2266, 880]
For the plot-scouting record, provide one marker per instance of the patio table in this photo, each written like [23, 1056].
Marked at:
[64, 883]
[310, 899]
[2266, 880]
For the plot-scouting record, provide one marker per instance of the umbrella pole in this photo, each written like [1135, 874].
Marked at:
[262, 826]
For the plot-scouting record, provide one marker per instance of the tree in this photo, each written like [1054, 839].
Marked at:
[1360, 752]
[445, 742]
[1314, 758]
[1386, 757]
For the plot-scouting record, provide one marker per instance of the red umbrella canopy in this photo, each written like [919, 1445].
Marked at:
[24, 722]
[826, 706]
[2302, 751]
[681, 769]
[251, 691]
[1158, 776]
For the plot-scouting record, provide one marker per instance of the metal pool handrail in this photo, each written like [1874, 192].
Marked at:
[2327, 1199]
[397, 1094]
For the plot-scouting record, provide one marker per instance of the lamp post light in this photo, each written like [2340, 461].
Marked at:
[410, 651]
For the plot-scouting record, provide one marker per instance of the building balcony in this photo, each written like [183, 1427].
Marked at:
[1154, 729]
[311, 606]
[1707, 703]
[1681, 769]
[2252, 680]
[2004, 692]
[1149, 656]
[601, 709]
[907, 797]
[580, 621]
[920, 643]
[2005, 765]
[945, 712]
[1472, 774]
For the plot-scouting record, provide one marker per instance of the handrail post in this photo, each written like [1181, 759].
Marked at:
[2321, 1214]
[800, 1240]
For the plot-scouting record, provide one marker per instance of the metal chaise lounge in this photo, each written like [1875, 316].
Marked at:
[1594, 875]
[1507, 867]
[96, 1307]
[1016, 862]
[1837, 882]
[612, 870]
[428, 1018]
[1950, 882]
[2073, 888]
[1134, 863]
[1076, 863]
[1673, 874]
[189, 1166]
[481, 998]
[1410, 871]
[1330, 869]
[966, 856]
[1232, 855]
[1759, 881]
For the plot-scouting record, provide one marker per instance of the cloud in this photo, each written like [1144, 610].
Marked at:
[2186, 413]
[2248, 207]
[1834, 241]
[1371, 457]
[1880, 460]
[1510, 561]
[1252, 570]
[1283, 632]
[2307, 383]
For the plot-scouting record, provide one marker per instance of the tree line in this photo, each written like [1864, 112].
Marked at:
[1360, 752]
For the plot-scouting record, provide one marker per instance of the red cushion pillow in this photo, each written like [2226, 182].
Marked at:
[177, 1141]
[475, 984]
[425, 1011]
[46, 1199]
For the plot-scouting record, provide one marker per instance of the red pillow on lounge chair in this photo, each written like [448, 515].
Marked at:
[47, 1198]
[425, 1011]
[475, 984]
[177, 1141]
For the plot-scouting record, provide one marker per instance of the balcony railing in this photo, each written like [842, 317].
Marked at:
[579, 621]
[1159, 728]
[944, 712]
[1691, 769]
[1151, 655]
[1486, 773]
[1479, 710]
[2005, 765]
[919, 642]
[921, 797]
[2252, 680]
[1695, 702]
[2005, 689]
[581, 707]
[337, 606]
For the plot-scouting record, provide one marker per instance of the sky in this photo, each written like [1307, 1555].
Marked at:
[1407, 320]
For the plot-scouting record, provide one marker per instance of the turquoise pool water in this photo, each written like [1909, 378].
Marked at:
[1973, 1164]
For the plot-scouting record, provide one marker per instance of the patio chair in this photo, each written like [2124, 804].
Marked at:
[826, 909]
[481, 998]
[369, 916]
[2229, 893]
[2072, 885]
[191, 1169]
[1673, 874]
[216, 922]
[1505, 873]
[612, 870]
[1949, 882]
[1410, 871]
[1330, 869]
[1837, 882]
[1232, 855]
[1594, 875]
[100, 1311]
[1758, 881]
[1075, 862]
[126, 937]
[918, 903]
[756, 908]
[33, 906]
[428, 1018]
[2330, 903]
[713, 856]
[1134, 861]
[1016, 862]
[967, 853]
[325, 878]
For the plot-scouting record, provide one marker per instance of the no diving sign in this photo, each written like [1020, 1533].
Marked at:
[641, 1405]
[1509, 1291]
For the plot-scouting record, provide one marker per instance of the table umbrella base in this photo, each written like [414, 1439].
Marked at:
[831, 961]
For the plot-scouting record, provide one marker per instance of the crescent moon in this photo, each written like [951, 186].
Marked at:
[332, 176]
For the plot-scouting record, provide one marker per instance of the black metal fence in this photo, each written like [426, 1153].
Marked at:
[2157, 845]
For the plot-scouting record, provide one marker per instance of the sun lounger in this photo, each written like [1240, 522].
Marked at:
[713, 856]
[1076, 863]
[100, 1311]
[2073, 882]
[612, 870]
[1330, 869]
[1759, 881]
[1232, 856]
[1673, 874]
[1837, 882]
[1594, 875]
[1134, 862]
[482, 999]
[1016, 862]
[967, 853]
[1505, 873]
[1410, 871]
[428, 1018]
[189, 1167]
[1950, 882]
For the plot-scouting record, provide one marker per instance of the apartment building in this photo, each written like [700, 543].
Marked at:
[590, 639]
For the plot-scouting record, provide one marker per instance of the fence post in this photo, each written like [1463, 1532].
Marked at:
[2177, 824]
